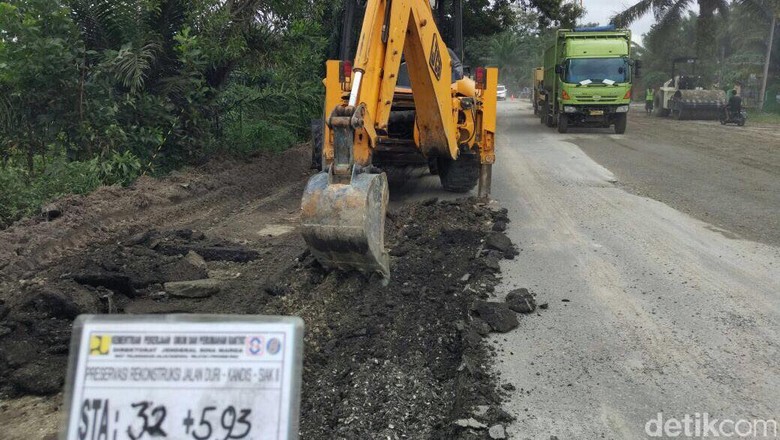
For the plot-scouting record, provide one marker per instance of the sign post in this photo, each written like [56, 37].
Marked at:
[197, 377]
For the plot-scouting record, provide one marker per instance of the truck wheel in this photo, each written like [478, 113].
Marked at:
[460, 175]
[563, 123]
[549, 118]
[621, 121]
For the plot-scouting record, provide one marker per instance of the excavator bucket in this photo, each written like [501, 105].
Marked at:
[344, 224]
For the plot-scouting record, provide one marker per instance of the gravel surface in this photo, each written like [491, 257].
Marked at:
[726, 176]
[648, 309]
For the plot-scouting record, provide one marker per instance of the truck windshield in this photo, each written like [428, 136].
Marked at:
[596, 70]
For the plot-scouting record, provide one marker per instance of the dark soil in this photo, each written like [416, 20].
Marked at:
[400, 361]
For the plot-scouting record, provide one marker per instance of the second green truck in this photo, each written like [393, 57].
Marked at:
[588, 76]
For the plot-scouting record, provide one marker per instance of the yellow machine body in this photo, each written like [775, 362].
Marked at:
[452, 122]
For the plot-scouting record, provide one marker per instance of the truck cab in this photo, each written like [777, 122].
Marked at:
[588, 79]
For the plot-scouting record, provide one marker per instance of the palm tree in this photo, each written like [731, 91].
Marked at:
[506, 53]
[769, 9]
[669, 12]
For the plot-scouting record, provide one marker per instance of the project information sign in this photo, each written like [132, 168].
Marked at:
[198, 377]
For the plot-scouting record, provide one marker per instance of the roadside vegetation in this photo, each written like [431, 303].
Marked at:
[95, 92]
[98, 92]
[736, 56]
[731, 40]
[765, 118]
[516, 50]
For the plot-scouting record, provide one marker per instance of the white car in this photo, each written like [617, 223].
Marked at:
[501, 89]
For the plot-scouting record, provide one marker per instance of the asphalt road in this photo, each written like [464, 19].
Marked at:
[651, 310]
[727, 176]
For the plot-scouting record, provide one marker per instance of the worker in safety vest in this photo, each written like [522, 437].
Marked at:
[649, 100]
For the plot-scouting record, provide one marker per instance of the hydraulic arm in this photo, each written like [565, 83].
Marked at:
[445, 120]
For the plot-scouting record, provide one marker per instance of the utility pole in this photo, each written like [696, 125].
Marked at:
[458, 22]
[762, 96]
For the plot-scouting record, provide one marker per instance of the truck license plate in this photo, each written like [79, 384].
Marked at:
[597, 112]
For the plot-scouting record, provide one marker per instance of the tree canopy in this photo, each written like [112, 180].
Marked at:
[669, 13]
[738, 58]
[99, 91]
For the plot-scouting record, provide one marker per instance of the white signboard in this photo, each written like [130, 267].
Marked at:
[198, 377]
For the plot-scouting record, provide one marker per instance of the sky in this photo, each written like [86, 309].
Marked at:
[600, 11]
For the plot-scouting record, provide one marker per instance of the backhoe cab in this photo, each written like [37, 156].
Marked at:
[403, 102]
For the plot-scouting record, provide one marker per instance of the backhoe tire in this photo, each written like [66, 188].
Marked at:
[621, 121]
[433, 166]
[563, 123]
[459, 175]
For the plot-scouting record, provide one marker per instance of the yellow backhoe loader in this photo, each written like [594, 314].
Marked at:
[404, 101]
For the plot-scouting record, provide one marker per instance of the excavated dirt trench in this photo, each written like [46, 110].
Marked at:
[405, 360]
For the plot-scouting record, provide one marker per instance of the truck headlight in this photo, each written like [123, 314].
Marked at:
[622, 109]
[569, 109]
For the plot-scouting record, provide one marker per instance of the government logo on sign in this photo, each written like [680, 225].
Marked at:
[255, 345]
[274, 345]
[99, 345]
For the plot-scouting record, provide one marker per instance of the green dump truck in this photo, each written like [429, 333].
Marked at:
[587, 79]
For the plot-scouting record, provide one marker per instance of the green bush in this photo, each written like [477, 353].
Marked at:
[14, 196]
[267, 114]
[772, 104]
[118, 169]
[261, 135]
[22, 194]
